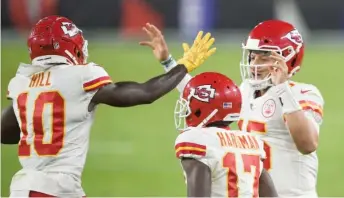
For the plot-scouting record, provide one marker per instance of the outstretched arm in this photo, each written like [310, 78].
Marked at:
[10, 131]
[160, 50]
[198, 177]
[169, 64]
[266, 185]
[127, 94]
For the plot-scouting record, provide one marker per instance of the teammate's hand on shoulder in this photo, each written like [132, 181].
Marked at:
[200, 51]
[279, 70]
[157, 42]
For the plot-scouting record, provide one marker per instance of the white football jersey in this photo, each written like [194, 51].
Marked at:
[293, 173]
[234, 158]
[51, 106]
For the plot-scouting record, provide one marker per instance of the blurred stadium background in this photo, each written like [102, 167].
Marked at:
[131, 150]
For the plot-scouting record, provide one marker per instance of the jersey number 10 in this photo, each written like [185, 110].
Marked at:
[57, 108]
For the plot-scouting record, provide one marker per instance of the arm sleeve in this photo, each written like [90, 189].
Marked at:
[183, 83]
[171, 63]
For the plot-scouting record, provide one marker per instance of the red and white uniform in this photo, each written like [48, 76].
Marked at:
[293, 173]
[51, 105]
[234, 158]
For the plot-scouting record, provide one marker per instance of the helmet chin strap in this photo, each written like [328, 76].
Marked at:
[268, 83]
[261, 85]
[72, 57]
[292, 72]
[208, 118]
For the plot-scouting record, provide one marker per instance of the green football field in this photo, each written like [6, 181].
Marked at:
[132, 150]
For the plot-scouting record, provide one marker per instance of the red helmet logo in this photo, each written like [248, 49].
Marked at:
[69, 29]
[208, 97]
[204, 93]
[59, 37]
[273, 35]
[295, 37]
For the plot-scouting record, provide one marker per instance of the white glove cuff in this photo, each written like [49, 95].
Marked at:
[169, 63]
[286, 98]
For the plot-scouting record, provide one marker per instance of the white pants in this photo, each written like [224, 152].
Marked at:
[55, 184]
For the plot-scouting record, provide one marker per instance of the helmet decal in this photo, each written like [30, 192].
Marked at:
[203, 93]
[57, 37]
[69, 29]
[208, 97]
[295, 37]
[271, 35]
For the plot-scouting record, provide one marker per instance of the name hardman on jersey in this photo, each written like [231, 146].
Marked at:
[225, 152]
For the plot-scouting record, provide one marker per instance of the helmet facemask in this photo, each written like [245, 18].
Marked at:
[85, 51]
[84, 48]
[182, 111]
[253, 72]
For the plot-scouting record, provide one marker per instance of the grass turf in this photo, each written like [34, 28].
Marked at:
[131, 150]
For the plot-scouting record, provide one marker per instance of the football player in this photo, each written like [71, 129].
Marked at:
[218, 162]
[54, 99]
[287, 115]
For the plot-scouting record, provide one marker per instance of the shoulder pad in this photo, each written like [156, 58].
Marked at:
[304, 89]
[95, 77]
[309, 97]
[190, 143]
[93, 64]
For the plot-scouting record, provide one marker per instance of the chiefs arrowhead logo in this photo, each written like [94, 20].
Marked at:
[295, 37]
[70, 29]
[204, 93]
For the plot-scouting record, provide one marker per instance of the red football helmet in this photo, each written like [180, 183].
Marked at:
[208, 97]
[56, 39]
[272, 35]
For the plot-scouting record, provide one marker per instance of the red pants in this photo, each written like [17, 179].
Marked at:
[38, 194]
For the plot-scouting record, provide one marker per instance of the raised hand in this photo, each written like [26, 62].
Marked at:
[156, 42]
[200, 51]
[279, 69]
